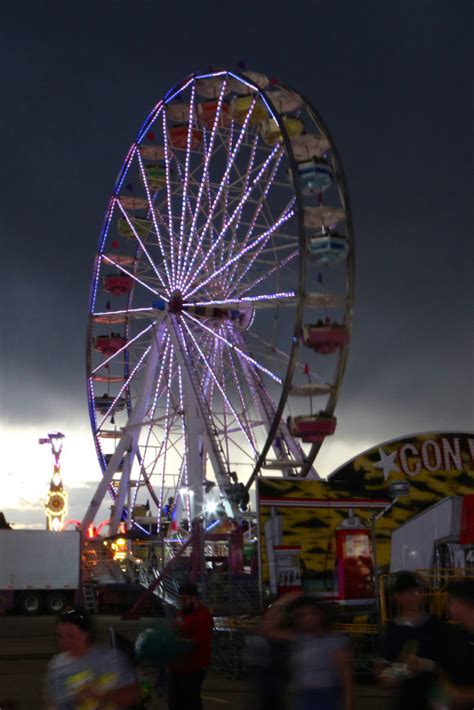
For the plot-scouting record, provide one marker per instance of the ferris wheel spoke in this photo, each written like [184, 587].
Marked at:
[264, 193]
[237, 273]
[236, 211]
[122, 349]
[214, 204]
[124, 386]
[235, 348]
[169, 203]
[217, 383]
[167, 438]
[108, 260]
[226, 218]
[284, 218]
[203, 182]
[152, 211]
[243, 404]
[177, 266]
[139, 240]
[279, 266]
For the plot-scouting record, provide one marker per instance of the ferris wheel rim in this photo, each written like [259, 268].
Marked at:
[302, 248]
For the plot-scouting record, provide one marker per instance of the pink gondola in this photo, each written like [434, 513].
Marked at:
[109, 344]
[117, 284]
[313, 428]
[179, 137]
[324, 338]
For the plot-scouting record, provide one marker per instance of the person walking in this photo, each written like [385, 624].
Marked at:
[265, 654]
[186, 675]
[457, 651]
[321, 663]
[85, 675]
[411, 646]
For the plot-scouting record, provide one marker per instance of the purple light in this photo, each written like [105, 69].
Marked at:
[105, 231]
[219, 387]
[205, 174]
[155, 401]
[126, 383]
[124, 347]
[237, 210]
[126, 165]
[234, 347]
[166, 437]
[235, 303]
[269, 273]
[179, 91]
[168, 177]
[149, 120]
[254, 256]
[185, 187]
[235, 258]
[226, 281]
[153, 215]
[132, 276]
[126, 311]
[232, 272]
[185, 440]
[219, 191]
[132, 227]
[242, 400]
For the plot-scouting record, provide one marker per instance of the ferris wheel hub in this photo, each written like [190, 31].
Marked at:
[175, 304]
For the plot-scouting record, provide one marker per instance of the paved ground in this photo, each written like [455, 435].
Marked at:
[27, 644]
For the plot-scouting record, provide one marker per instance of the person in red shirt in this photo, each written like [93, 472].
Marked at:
[187, 674]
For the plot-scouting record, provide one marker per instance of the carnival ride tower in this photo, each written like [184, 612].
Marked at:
[56, 504]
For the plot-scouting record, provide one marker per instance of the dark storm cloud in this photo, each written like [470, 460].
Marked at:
[390, 79]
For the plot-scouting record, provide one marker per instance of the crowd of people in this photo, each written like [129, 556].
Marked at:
[425, 662]
[294, 657]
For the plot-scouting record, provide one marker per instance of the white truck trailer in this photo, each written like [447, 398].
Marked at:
[39, 569]
[432, 539]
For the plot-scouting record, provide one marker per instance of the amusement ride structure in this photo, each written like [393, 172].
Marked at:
[221, 301]
[56, 504]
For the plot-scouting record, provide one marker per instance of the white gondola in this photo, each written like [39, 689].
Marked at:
[309, 146]
[179, 112]
[130, 202]
[261, 80]
[152, 152]
[317, 217]
[285, 101]
[211, 87]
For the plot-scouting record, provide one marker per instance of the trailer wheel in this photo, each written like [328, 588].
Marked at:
[30, 603]
[55, 602]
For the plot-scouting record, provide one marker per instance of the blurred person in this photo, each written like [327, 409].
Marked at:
[457, 658]
[321, 662]
[411, 646]
[85, 675]
[187, 674]
[265, 655]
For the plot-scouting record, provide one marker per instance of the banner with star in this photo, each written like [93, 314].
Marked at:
[306, 513]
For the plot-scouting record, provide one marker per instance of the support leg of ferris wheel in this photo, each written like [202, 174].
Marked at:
[127, 446]
[198, 405]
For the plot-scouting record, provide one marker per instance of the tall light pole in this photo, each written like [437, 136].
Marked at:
[56, 504]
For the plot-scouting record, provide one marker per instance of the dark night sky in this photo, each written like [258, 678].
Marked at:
[393, 81]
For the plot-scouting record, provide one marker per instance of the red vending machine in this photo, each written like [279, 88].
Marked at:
[354, 562]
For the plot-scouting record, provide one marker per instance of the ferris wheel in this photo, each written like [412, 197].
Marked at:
[221, 299]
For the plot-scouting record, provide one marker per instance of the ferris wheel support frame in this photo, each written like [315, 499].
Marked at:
[211, 443]
[126, 449]
[259, 392]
